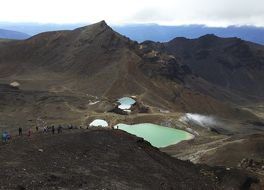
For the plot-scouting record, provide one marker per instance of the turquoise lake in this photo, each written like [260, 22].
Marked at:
[157, 135]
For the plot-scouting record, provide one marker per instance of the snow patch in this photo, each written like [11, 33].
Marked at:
[15, 84]
[99, 123]
[93, 103]
[164, 111]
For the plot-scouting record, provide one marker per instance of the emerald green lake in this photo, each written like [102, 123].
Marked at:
[157, 135]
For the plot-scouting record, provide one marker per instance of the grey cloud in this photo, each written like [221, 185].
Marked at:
[240, 12]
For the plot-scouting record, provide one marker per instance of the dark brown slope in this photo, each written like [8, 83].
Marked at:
[67, 57]
[230, 67]
[104, 159]
[83, 59]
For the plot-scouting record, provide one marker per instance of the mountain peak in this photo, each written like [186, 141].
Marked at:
[209, 37]
[101, 24]
[178, 39]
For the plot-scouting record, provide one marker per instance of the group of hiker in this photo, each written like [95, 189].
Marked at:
[45, 130]
[20, 132]
[59, 129]
[7, 136]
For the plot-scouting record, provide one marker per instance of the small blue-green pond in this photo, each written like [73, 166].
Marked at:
[126, 103]
[157, 135]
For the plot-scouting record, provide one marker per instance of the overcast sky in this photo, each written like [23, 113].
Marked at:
[119, 12]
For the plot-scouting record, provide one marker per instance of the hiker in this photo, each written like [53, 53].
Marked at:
[37, 128]
[29, 132]
[9, 137]
[45, 130]
[53, 129]
[4, 136]
[20, 131]
[59, 129]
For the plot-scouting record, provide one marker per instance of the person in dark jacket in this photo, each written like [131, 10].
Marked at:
[53, 129]
[20, 131]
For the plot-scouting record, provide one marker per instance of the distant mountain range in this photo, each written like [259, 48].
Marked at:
[9, 34]
[167, 33]
[142, 32]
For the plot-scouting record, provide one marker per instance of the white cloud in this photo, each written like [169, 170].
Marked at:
[171, 12]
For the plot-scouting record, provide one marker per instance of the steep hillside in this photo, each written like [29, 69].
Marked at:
[87, 53]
